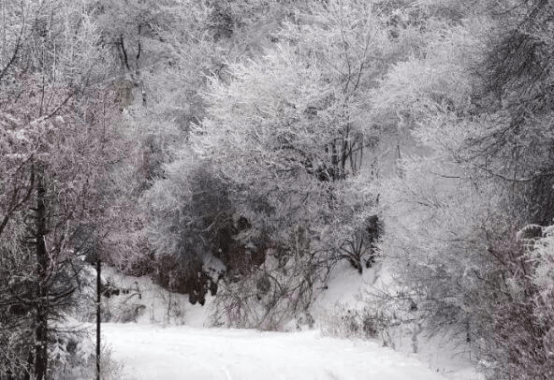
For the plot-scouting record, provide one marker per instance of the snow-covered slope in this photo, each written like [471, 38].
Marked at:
[348, 290]
[151, 352]
[155, 305]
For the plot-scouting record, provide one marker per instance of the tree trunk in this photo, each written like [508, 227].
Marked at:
[98, 312]
[41, 329]
[29, 368]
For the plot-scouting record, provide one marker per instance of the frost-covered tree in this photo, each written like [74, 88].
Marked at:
[514, 148]
[479, 142]
[532, 342]
[287, 131]
[55, 148]
[441, 212]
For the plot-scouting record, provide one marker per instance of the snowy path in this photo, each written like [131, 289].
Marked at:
[152, 352]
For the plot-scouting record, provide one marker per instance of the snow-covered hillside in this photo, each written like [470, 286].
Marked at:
[151, 352]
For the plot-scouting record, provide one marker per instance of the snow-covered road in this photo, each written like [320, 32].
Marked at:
[151, 352]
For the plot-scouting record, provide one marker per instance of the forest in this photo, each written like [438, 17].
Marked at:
[279, 139]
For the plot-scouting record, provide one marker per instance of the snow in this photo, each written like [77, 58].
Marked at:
[158, 305]
[170, 340]
[345, 288]
[150, 352]
[348, 290]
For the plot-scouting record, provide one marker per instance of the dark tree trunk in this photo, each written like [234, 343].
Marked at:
[98, 313]
[41, 329]
[28, 369]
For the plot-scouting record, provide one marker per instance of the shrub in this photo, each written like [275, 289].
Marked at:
[354, 323]
[79, 363]
[523, 346]
[271, 295]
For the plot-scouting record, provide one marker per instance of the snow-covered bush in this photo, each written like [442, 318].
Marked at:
[544, 311]
[353, 323]
[76, 359]
[523, 323]
[193, 221]
[275, 293]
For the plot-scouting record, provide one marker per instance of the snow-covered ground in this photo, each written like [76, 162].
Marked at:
[150, 352]
[186, 349]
